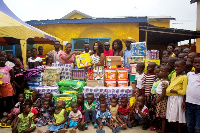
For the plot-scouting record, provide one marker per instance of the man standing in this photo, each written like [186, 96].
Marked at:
[127, 51]
[41, 55]
[86, 47]
[55, 54]
[107, 50]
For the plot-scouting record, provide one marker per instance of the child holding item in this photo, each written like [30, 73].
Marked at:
[192, 98]
[139, 75]
[141, 113]
[161, 98]
[104, 119]
[15, 111]
[89, 107]
[60, 117]
[45, 114]
[24, 123]
[6, 89]
[75, 118]
[176, 92]
[124, 111]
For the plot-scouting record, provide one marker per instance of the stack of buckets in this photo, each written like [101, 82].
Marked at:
[116, 77]
[132, 74]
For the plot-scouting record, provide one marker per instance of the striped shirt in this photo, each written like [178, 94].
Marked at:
[147, 82]
[44, 57]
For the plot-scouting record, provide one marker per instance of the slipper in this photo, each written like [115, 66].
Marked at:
[39, 131]
[95, 125]
[86, 126]
[114, 130]
[4, 125]
[129, 125]
[72, 130]
[100, 131]
[81, 127]
[118, 129]
[124, 126]
[63, 130]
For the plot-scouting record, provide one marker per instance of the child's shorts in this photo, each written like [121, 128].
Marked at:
[139, 119]
[7, 90]
[72, 123]
[15, 110]
[125, 116]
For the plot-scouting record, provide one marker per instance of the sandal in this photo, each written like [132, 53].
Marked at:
[124, 126]
[4, 125]
[118, 129]
[72, 130]
[100, 131]
[95, 125]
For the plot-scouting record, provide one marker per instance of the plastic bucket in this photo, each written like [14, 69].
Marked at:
[110, 74]
[122, 83]
[122, 74]
[133, 68]
[110, 83]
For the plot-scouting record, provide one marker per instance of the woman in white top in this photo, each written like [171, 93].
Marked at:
[98, 55]
[34, 61]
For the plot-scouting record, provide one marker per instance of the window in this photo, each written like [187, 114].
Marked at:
[77, 44]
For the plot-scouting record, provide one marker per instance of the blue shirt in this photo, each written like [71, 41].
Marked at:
[127, 53]
[103, 115]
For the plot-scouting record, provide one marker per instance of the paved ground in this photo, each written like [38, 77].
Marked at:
[90, 129]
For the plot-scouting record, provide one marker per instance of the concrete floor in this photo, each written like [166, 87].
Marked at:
[91, 129]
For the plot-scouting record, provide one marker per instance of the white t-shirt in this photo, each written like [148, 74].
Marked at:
[139, 77]
[34, 63]
[159, 87]
[193, 88]
[10, 64]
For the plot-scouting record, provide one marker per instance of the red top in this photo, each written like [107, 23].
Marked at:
[124, 111]
[108, 53]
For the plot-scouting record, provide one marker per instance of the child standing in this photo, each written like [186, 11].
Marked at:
[60, 117]
[170, 63]
[34, 61]
[75, 118]
[141, 113]
[23, 123]
[124, 111]
[161, 98]
[148, 79]
[104, 119]
[89, 107]
[45, 114]
[139, 75]
[6, 89]
[192, 98]
[176, 92]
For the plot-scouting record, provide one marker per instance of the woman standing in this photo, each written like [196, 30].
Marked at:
[98, 56]
[68, 56]
[117, 48]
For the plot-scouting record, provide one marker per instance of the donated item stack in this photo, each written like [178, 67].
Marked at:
[95, 76]
[78, 74]
[51, 76]
[69, 89]
[47, 89]
[152, 56]
[66, 70]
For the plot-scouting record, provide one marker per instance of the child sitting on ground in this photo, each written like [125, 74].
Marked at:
[124, 111]
[45, 114]
[80, 101]
[23, 123]
[15, 111]
[115, 120]
[74, 119]
[102, 98]
[36, 100]
[136, 93]
[104, 119]
[141, 113]
[60, 117]
[89, 107]
[139, 75]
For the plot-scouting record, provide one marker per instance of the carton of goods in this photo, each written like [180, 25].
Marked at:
[113, 60]
[83, 60]
[135, 59]
[94, 83]
[133, 68]
[148, 61]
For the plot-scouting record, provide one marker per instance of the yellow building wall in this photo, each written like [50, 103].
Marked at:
[67, 32]
[165, 24]
[76, 15]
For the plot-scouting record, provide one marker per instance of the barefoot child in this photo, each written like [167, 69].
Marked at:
[45, 114]
[60, 117]
[104, 119]
[80, 101]
[141, 113]
[124, 111]
[176, 92]
[74, 118]
[24, 123]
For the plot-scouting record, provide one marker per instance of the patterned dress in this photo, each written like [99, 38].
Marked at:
[47, 114]
[24, 122]
[103, 116]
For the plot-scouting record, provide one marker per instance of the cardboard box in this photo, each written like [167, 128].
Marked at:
[93, 83]
[135, 59]
[148, 61]
[115, 60]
